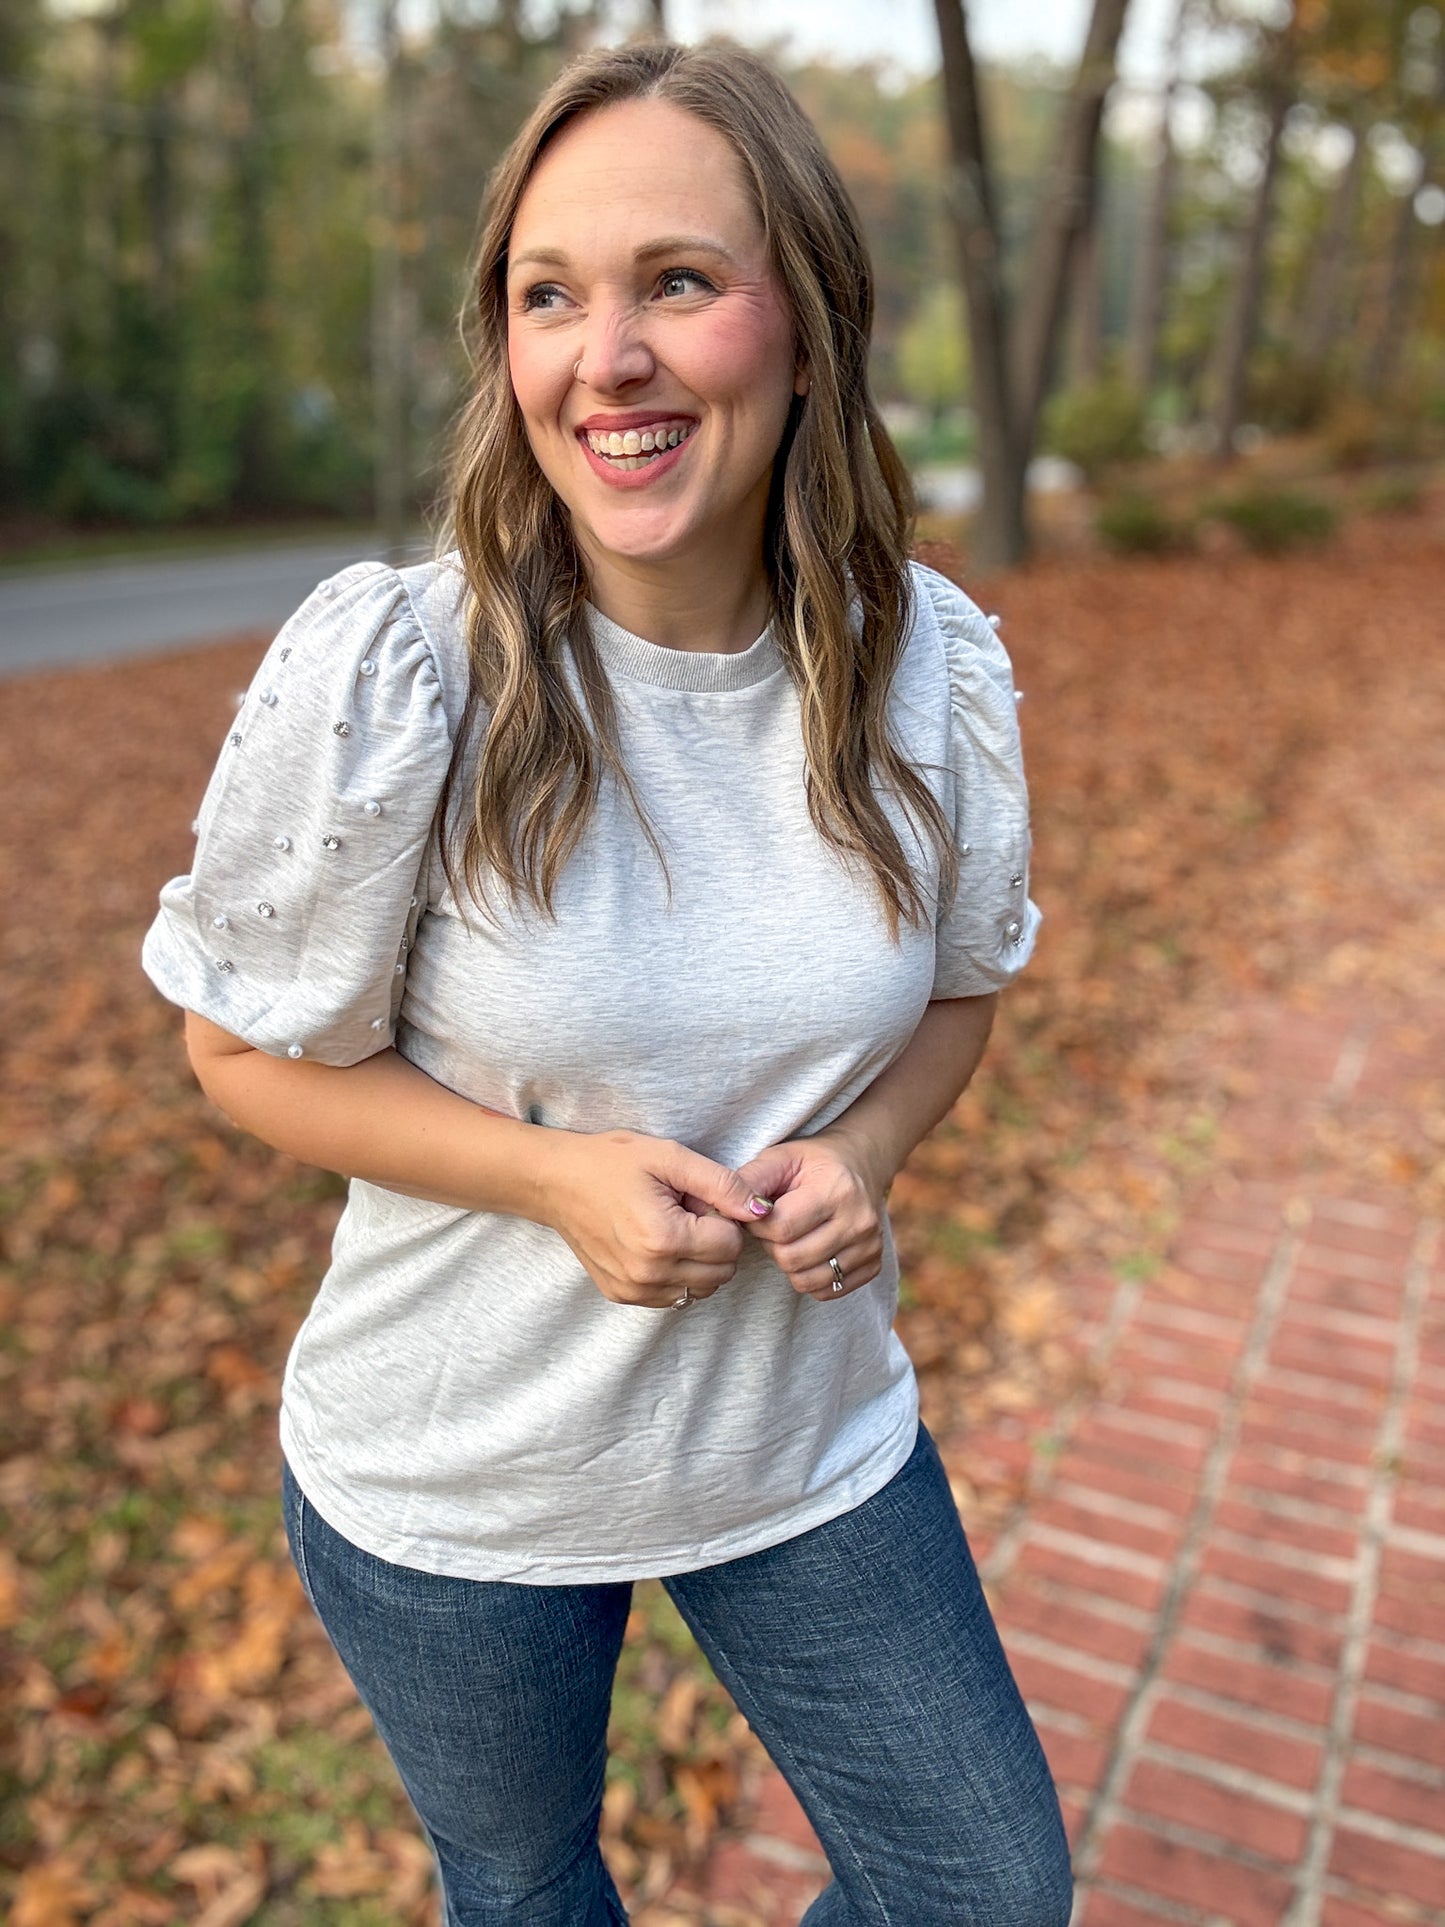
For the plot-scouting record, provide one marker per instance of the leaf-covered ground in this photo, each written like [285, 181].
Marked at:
[1239, 779]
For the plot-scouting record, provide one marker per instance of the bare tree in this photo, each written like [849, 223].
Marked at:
[1151, 262]
[1321, 313]
[1277, 88]
[1383, 356]
[1012, 362]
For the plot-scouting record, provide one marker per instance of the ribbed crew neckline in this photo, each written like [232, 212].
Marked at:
[630, 656]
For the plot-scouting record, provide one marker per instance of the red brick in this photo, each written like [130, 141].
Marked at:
[1303, 1432]
[1214, 1736]
[1302, 1348]
[1407, 1670]
[1268, 1470]
[1208, 1261]
[1085, 1454]
[1284, 1636]
[1406, 1802]
[1312, 1286]
[778, 1815]
[1075, 1759]
[1044, 1682]
[1047, 1563]
[1384, 1867]
[1414, 1617]
[1262, 1522]
[1424, 1424]
[1266, 1688]
[1351, 1264]
[1212, 1882]
[1075, 1814]
[1329, 1398]
[1152, 1396]
[1420, 1736]
[1286, 1579]
[1103, 1909]
[1390, 1245]
[1344, 1913]
[737, 1877]
[1106, 1528]
[1240, 1819]
[1102, 1475]
[1403, 1570]
[1142, 1447]
[1073, 1619]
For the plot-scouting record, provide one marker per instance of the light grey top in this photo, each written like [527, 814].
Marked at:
[461, 1398]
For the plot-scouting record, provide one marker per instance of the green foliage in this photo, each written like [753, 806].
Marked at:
[1132, 523]
[933, 352]
[1098, 427]
[1272, 520]
[1286, 393]
[1398, 493]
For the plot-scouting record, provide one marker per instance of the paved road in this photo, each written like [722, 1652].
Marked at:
[102, 610]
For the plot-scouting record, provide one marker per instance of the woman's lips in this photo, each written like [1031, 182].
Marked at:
[634, 470]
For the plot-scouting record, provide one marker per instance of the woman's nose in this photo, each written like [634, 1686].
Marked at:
[615, 352]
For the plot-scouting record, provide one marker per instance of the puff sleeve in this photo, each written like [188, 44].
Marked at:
[292, 929]
[987, 935]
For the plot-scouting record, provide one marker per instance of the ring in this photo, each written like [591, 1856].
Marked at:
[837, 1271]
[681, 1304]
[577, 369]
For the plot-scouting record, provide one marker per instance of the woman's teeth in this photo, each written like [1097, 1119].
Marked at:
[635, 448]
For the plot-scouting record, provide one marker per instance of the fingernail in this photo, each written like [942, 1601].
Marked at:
[760, 1207]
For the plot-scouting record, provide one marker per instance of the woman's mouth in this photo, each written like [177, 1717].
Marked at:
[633, 448]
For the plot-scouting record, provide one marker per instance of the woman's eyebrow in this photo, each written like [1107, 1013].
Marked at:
[665, 245]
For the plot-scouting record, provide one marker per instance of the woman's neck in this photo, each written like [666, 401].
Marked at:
[713, 608]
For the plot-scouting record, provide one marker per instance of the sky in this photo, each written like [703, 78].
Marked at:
[905, 31]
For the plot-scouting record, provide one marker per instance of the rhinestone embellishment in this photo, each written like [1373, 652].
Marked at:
[1016, 882]
[341, 729]
[285, 652]
[265, 909]
[268, 696]
[331, 842]
[367, 668]
[1014, 930]
[995, 622]
[235, 739]
[221, 922]
[281, 843]
[224, 963]
[371, 806]
[295, 1050]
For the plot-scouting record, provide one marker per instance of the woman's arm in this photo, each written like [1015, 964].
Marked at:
[828, 1189]
[615, 1196]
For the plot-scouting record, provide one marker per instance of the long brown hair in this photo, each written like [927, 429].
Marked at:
[836, 539]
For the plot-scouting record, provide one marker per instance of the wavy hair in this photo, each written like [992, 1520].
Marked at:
[836, 537]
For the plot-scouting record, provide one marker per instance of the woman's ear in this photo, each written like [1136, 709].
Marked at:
[802, 381]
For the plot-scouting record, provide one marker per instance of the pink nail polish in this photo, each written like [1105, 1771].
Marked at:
[760, 1207]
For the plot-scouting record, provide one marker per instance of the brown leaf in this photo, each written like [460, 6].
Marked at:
[50, 1896]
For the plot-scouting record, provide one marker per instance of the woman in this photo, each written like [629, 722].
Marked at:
[622, 1060]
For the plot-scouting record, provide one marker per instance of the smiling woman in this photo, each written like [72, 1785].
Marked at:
[617, 900]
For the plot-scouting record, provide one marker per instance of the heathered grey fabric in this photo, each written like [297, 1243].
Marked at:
[461, 1398]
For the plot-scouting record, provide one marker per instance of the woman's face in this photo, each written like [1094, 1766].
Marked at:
[638, 253]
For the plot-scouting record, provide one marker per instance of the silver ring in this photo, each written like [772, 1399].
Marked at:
[681, 1304]
[577, 369]
[837, 1271]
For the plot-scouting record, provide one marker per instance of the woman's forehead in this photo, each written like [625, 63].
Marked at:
[635, 173]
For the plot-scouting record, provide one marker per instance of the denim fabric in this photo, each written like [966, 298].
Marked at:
[862, 1653]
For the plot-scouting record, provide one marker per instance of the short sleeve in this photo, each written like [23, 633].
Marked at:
[293, 928]
[987, 935]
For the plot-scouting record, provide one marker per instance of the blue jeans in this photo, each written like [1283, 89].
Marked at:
[862, 1653]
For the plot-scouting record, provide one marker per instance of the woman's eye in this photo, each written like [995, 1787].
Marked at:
[683, 281]
[545, 295]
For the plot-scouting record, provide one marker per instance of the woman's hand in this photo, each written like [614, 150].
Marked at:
[827, 1203]
[647, 1218]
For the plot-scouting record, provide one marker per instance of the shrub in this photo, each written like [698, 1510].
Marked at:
[1097, 427]
[1272, 520]
[1134, 524]
[1396, 494]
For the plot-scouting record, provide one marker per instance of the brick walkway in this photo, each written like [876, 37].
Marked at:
[1225, 1597]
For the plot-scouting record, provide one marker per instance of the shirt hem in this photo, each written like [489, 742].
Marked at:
[447, 1560]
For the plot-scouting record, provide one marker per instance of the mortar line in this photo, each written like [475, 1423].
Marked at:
[1304, 1910]
[1106, 1802]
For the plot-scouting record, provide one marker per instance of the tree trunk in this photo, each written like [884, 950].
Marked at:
[1249, 281]
[253, 274]
[1000, 533]
[1069, 189]
[1321, 315]
[388, 338]
[1151, 263]
[1383, 358]
[1086, 303]
[658, 10]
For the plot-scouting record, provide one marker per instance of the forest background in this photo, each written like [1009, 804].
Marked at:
[236, 235]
